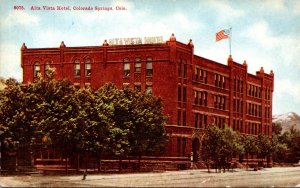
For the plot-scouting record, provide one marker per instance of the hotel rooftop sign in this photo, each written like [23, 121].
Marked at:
[135, 41]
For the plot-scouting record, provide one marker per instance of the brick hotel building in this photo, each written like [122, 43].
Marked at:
[196, 91]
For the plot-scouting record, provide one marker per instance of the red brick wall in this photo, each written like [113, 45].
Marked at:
[107, 66]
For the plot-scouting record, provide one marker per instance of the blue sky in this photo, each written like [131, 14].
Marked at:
[265, 33]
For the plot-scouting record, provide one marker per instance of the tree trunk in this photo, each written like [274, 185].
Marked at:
[139, 166]
[120, 164]
[247, 161]
[99, 166]
[67, 164]
[86, 162]
[208, 167]
[78, 164]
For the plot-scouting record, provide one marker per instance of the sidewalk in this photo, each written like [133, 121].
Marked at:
[268, 177]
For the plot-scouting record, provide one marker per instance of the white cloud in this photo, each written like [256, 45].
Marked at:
[275, 5]
[20, 18]
[261, 33]
[10, 62]
[268, 7]
[296, 7]
[137, 24]
[286, 47]
[225, 11]
[285, 86]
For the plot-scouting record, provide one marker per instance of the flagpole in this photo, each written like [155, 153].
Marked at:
[230, 42]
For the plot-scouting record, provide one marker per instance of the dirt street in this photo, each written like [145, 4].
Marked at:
[268, 177]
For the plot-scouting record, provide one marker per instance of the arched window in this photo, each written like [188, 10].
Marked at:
[36, 69]
[149, 70]
[126, 68]
[88, 67]
[184, 70]
[148, 89]
[47, 69]
[137, 65]
[76, 68]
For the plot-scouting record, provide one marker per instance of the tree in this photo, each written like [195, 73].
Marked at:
[220, 145]
[212, 146]
[250, 146]
[137, 122]
[17, 130]
[279, 149]
[292, 140]
[114, 106]
[276, 128]
[232, 144]
[147, 134]
[264, 147]
[93, 126]
[56, 114]
[81, 122]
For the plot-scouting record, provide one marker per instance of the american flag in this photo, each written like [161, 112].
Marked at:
[223, 34]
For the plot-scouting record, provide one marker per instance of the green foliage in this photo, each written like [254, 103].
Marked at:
[220, 145]
[81, 122]
[279, 149]
[290, 143]
[15, 116]
[137, 121]
[264, 146]
[276, 128]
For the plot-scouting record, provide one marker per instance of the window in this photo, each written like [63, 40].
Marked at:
[196, 74]
[88, 69]
[205, 99]
[179, 70]
[179, 93]
[241, 86]
[184, 118]
[178, 146]
[200, 98]
[184, 94]
[215, 101]
[137, 88]
[137, 65]
[184, 70]
[196, 97]
[47, 69]
[126, 67]
[234, 85]
[200, 119]
[179, 117]
[205, 76]
[149, 70]
[223, 103]
[126, 85]
[77, 68]
[148, 90]
[196, 120]
[216, 80]
[37, 70]
[183, 146]
[241, 126]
